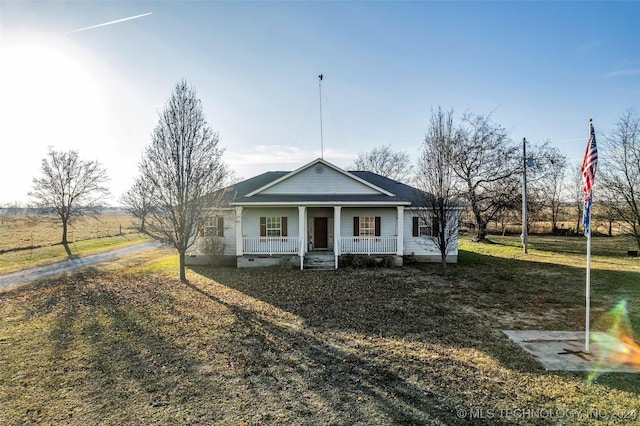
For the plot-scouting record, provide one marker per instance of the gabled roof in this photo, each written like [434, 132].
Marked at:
[387, 191]
[309, 165]
[405, 192]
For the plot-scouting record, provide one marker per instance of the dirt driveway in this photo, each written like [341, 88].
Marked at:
[32, 274]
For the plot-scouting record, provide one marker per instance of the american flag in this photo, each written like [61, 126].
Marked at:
[589, 174]
[589, 164]
[586, 216]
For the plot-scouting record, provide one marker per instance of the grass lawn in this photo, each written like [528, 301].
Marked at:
[125, 344]
[18, 231]
[16, 260]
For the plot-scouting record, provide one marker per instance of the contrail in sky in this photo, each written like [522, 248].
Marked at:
[110, 22]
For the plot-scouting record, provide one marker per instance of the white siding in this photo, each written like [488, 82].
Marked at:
[388, 220]
[229, 232]
[251, 220]
[328, 182]
[419, 246]
[229, 239]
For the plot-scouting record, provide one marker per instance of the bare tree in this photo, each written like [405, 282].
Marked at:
[576, 194]
[620, 170]
[547, 179]
[386, 162]
[439, 210]
[138, 201]
[488, 165]
[607, 210]
[183, 164]
[70, 187]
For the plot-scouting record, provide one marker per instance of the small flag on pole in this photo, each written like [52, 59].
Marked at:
[589, 174]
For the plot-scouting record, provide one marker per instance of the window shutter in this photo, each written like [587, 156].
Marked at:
[220, 226]
[284, 226]
[435, 226]
[415, 226]
[377, 226]
[263, 226]
[356, 226]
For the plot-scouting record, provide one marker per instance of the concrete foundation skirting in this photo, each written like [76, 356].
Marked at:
[209, 260]
[452, 258]
[263, 261]
[257, 261]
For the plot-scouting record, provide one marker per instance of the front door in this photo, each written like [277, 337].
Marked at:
[320, 233]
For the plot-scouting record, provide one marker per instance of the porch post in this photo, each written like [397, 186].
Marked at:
[302, 234]
[336, 233]
[238, 231]
[400, 230]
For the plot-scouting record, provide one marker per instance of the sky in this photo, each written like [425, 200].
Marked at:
[93, 76]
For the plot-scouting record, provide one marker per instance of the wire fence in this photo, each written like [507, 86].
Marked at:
[24, 233]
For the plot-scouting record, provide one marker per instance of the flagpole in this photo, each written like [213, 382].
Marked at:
[588, 283]
[588, 289]
[321, 140]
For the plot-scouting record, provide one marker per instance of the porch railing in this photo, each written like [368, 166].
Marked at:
[369, 245]
[270, 245]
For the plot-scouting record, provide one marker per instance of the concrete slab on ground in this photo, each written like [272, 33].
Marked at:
[563, 350]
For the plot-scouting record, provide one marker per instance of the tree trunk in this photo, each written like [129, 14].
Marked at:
[481, 232]
[183, 274]
[64, 232]
[578, 221]
[443, 258]
[142, 224]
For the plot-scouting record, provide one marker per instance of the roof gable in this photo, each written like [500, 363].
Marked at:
[319, 177]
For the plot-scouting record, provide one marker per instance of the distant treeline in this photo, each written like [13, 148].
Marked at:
[41, 211]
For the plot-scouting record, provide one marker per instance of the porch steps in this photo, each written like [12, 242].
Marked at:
[319, 260]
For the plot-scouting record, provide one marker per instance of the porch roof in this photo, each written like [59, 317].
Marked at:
[323, 199]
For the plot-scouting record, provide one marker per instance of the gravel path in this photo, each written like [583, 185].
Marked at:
[32, 274]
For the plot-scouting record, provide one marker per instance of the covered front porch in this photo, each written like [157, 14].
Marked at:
[286, 231]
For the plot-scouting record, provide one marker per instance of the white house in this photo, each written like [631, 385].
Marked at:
[312, 216]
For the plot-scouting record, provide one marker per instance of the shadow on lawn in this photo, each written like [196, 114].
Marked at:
[122, 356]
[481, 296]
[340, 378]
[129, 363]
[145, 349]
[111, 361]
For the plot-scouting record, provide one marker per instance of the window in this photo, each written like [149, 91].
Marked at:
[425, 227]
[212, 227]
[366, 226]
[273, 226]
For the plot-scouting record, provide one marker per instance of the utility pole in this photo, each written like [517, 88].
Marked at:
[525, 219]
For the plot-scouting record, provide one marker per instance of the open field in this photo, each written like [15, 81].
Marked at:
[129, 344]
[25, 242]
[17, 260]
[36, 231]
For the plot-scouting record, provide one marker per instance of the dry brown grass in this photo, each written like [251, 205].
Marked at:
[281, 346]
[28, 242]
[36, 231]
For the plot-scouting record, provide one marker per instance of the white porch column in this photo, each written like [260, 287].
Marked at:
[336, 233]
[400, 240]
[238, 231]
[302, 234]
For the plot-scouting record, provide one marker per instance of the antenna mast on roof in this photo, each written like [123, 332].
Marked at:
[321, 141]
